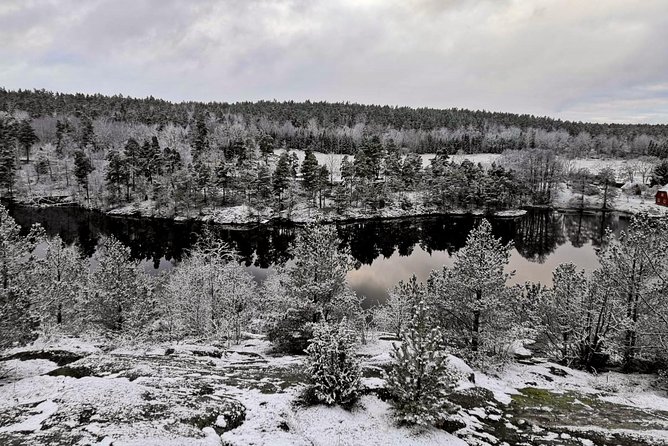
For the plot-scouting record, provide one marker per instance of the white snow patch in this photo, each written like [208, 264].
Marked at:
[371, 424]
[34, 423]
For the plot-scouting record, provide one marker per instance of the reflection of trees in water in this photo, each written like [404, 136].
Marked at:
[538, 234]
[583, 228]
[369, 240]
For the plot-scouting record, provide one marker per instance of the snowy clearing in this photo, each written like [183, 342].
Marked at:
[173, 394]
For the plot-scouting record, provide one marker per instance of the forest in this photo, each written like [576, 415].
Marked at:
[110, 152]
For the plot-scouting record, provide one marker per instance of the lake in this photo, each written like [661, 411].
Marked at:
[385, 251]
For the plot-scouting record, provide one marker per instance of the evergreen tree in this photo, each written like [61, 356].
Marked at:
[332, 366]
[82, 168]
[118, 289]
[7, 156]
[660, 176]
[266, 146]
[132, 153]
[481, 313]
[26, 137]
[310, 173]
[420, 377]
[395, 313]
[87, 134]
[201, 138]
[59, 279]
[564, 311]
[281, 177]
[117, 175]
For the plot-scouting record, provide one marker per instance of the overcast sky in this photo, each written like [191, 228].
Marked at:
[592, 60]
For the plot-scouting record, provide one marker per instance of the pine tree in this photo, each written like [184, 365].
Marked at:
[200, 140]
[310, 173]
[633, 265]
[318, 273]
[333, 369]
[420, 378]
[281, 178]
[87, 134]
[266, 146]
[117, 175]
[82, 168]
[564, 311]
[132, 151]
[7, 157]
[26, 137]
[117, 288]
[481, 313]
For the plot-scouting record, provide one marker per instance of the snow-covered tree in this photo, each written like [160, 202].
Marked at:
[119, 293]
[315, 284]
[17, 317]
[209, 295]
[420, 377]
[472, 299]
[318, 273]
[332, 366]
[395, 313]
[633, 266]
[564, 311]
[60, 276]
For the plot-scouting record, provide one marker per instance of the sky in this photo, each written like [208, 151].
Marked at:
[589, 60]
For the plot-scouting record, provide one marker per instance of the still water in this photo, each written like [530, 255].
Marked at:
[385, 251]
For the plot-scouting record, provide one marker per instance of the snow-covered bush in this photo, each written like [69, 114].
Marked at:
[209, 295]
[420, 378]
[332, 366]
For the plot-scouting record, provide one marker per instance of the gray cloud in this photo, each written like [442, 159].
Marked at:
[600, 60]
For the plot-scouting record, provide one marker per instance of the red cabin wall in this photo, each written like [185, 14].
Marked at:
[662, 198]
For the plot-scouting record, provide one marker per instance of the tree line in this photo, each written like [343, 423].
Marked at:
[340, 127]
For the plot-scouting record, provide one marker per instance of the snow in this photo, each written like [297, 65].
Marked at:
[370, 424]
[631, 204]
[34, 423]
[268, 386]
[14, 369]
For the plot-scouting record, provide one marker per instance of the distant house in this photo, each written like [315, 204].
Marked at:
[662, 196]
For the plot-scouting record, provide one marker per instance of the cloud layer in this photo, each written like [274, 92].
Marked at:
[594, 60]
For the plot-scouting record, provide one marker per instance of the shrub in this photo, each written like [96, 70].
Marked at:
[334, 370]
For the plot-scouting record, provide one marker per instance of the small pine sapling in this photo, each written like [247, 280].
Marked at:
[334, 370]
[420, 378]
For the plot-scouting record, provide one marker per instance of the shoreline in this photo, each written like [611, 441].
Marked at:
[242, 217]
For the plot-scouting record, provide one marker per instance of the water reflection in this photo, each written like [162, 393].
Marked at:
[385, 251]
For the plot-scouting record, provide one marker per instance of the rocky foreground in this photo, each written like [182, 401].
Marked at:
[71, 391]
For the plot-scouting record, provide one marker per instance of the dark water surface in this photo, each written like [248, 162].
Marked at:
[385, 251]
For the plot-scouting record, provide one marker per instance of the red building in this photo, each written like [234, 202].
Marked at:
[662, 196]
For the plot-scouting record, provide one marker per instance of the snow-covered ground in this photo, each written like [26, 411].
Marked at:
[631, 204]
[178, 394]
